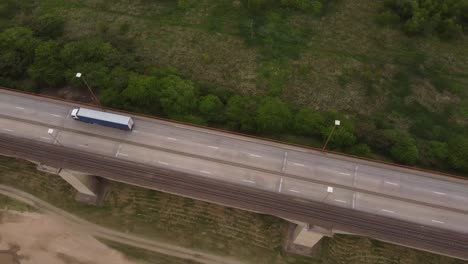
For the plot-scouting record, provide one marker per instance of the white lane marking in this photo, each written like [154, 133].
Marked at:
[123, 154]
[388, 211]
[354, 178]
[6, 129]
[440, 193]
[343, 173]
[354, 200]
[135, 131]
[118, 150]
[170, 138]
[299, 164]
[46, 138]
[392, 183]
[436, 221]
[284, 160]
[249, 181]
[213, 147]
[341, 201]
[294, 191]
[20, 108]
[163, 163]
[206, 172]
[81, 145]
[280, 185]
[254, 155]
[55, 115]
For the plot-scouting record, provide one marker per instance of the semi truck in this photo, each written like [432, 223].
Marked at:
[102, 118]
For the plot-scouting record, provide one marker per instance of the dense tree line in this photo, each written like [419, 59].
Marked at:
[36, 57]
[447, 18]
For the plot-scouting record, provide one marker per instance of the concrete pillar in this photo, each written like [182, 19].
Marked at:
[304, 236]
[82, 182]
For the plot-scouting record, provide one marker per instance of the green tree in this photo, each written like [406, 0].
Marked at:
[342, 137]
[438, 150]
[49, 26]
[119, 78]
[240, 113]
[446, 17]
[403, 147]
[405, 151]
[77, 53]
[142, 91]
[211, 108]
[449, 28]
[433, 153]
[112, 98]
[308, 122]
[47, 67]
[178, 96]
[458, 153]
[17, 47]
[273, 116]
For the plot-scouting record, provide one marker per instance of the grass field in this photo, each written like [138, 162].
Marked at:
[341, 63]
[346, 59]
[10, 204]
[251, 237]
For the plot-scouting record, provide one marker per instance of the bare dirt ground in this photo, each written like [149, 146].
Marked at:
[37, 238]
[83, 229]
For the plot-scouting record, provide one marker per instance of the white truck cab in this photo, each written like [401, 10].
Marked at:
[74, 112]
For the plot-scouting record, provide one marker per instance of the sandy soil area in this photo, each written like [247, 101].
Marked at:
[38, 238]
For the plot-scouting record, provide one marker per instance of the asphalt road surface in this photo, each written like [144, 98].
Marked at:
[334, 218]
[424, 198]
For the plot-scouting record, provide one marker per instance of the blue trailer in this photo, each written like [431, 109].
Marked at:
[102, 118]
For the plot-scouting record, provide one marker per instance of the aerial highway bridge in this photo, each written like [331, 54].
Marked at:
[324, 192]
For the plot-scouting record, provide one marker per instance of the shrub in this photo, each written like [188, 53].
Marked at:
[458, 153]
[444, 17]
[240, 113]
[403, 147]
[308, 122]
[273, 116]
[141, 92]
[211, 108]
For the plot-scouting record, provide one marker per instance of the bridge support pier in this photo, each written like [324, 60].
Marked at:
[89, 188]
[304, 238]
[82, 182]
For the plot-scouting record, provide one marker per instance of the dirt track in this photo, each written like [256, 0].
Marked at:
[40, 238]
[88, 229]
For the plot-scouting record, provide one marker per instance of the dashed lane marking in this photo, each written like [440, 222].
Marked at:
[249, 181]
